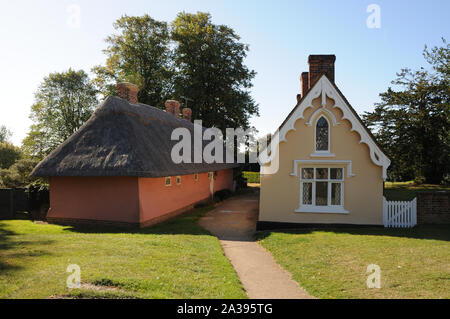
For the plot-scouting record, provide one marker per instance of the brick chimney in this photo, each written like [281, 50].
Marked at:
[320, 64]
[304, 79]
[187, 114]
[128, 91]
[173, 107]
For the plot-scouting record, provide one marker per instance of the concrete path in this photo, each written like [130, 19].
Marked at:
[234, 223]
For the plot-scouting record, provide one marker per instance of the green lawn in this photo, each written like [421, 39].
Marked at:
[408, 190]
[252, 177]
[415, 263]
[177, 259]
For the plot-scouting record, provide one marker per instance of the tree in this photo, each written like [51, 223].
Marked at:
[64, 101]
[140, 54]
[413, 123]
[9, 154]
[195, 59]
[5, 134]
[18, 175]
[210, 70]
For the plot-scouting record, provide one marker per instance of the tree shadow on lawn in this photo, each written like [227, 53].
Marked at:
[431, 232]
[7, 243]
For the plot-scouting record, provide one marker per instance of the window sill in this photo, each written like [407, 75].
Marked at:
[326, 154]
[322, 210]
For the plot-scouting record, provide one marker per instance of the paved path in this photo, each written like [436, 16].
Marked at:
[234, 223]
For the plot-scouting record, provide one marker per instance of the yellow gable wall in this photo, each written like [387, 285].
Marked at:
[363, 193]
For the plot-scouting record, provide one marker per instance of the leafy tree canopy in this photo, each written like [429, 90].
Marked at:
[5, 134]
[63, 102]
[193, 58]
[18, 175]
[139, 54]
[211, 71]
[9, 154]
[413, 122]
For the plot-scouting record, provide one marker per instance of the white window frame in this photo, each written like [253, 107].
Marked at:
[178, 180]
[196, 177]
[313, 208]
[170, 181]
[322, 153]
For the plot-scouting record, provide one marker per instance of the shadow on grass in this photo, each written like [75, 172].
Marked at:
[185, 224]
[5, 244]
[8, 244]
[433, 232]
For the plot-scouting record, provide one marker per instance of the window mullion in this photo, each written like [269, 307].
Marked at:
[313, 193]
[301, 194]
[329, 193]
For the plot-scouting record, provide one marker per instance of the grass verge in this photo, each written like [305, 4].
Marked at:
[176, 259]
[415, 263]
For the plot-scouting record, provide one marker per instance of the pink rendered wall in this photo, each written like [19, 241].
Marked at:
[96, 198]
[156, 199]
[224, 180]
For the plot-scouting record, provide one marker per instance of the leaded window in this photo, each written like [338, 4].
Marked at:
[322, 186]
[322, 135]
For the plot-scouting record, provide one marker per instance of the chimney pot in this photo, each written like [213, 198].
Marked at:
[187, 114]
[304, 79]
[173, 107]
[128, 91]
[321, 64]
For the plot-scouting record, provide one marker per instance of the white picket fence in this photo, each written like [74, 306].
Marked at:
[399, 214]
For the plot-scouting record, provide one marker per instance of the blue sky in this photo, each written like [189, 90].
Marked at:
[37, 38]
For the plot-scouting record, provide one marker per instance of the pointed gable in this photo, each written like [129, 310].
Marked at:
[322, 89]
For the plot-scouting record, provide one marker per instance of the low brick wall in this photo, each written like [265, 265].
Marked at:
[433, 208]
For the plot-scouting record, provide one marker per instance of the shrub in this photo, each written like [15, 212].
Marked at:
[9, 154]
[18, 175]
[222, 194]
[419, 180]
[446, 180]
[38, 195]
[252, 177]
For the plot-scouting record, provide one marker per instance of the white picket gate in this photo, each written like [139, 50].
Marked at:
[399, 214]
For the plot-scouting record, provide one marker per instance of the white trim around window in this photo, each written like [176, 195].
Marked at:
[322, 153]
[313, 180]
[168, 181]
[327, 151]
[348, 163]
[318, 112]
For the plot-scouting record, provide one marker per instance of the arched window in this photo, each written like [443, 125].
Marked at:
[322, 135]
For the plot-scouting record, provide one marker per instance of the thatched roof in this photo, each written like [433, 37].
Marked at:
[122, 139]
